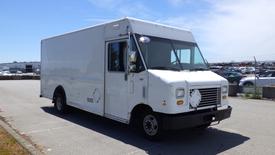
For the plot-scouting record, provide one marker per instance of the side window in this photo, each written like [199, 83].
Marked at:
[116, 56]
[269, 75]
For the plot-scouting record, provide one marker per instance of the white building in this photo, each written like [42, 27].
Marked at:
[21, 66]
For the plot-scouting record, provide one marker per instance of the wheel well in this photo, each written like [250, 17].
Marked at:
[59, 90]
[248, 83]
[137, 112]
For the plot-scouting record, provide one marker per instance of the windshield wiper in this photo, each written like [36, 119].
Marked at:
[165, 68]
[177, 57]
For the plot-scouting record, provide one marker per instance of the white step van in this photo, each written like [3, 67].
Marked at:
[134, 71]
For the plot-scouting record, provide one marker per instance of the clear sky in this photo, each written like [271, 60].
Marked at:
[226, 30]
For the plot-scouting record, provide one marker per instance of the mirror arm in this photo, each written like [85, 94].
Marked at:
[127, 72]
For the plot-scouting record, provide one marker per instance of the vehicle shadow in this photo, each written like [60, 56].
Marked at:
[211, 141]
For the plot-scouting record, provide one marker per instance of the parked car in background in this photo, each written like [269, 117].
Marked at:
[232, 77]
[6, 73]
[215, 69]
[250, 70]
[266, 79]
[247, 70]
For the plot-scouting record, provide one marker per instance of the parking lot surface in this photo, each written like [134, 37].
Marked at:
[250, 130]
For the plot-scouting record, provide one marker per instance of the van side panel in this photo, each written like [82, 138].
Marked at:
[76, 62]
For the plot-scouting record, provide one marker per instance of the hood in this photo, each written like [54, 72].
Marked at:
[189, 77]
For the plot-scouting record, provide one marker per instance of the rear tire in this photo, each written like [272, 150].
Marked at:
[151, 126]
[60, 103]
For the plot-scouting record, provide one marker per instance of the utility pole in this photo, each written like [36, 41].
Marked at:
[255, 65]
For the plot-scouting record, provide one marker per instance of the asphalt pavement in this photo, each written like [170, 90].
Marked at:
[250, 130]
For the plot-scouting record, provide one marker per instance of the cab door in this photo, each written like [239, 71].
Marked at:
[116, 84]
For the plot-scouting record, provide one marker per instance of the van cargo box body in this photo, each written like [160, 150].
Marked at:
[132, 70]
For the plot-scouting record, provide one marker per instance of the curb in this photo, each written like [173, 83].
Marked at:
[23, 142]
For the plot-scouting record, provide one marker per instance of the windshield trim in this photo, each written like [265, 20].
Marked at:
[139, 51]
[204, 60]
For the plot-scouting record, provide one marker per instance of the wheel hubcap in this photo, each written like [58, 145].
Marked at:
[150, 125]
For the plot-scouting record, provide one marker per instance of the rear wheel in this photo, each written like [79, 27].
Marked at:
[60, 103]
[151, 126]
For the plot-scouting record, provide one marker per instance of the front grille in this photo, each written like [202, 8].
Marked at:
[209, 97]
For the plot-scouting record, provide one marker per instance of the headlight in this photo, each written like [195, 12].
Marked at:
[224, 89]
[180, 93]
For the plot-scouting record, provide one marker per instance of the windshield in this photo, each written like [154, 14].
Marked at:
[267, 74]
[169, 54]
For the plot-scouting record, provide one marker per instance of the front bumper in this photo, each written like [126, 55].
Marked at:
[193, 119]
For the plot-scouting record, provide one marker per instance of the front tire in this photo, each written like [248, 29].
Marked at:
[60, 104]
[151, 126]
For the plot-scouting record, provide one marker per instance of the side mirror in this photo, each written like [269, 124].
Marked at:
[144, 39]
[132, 61]
[133, 57]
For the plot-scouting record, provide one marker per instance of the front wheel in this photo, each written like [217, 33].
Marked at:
[151, 126]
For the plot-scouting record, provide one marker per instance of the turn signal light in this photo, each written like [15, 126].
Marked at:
[180, 102]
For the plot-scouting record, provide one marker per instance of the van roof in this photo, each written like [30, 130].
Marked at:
[146, 28]
[148, 22]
